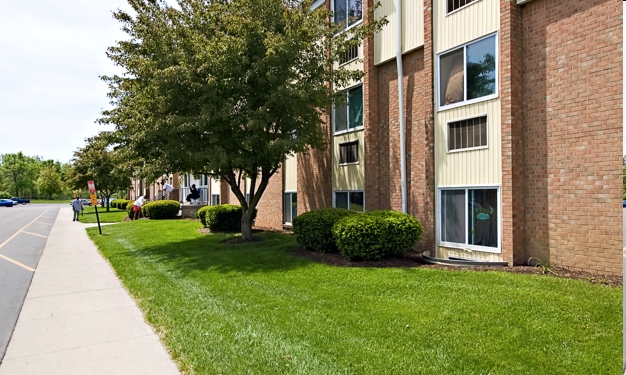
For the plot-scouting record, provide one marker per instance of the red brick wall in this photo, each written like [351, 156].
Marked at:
[270, 207]
[511, 132]
[383, 185]
[572, 103]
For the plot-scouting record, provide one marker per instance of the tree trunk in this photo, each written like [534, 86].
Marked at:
[246, 225]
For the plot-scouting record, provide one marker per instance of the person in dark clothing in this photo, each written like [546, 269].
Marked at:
[194, 194]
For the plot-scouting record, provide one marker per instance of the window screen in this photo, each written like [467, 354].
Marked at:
[467, 133]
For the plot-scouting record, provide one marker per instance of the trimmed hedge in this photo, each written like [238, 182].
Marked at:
[165, 209]
[313, 229]
[129, 209]
[222, 218]
[377, 234]
[120, 204]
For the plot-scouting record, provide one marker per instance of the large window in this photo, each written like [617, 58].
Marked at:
[469, 218]
[349, 153]
[350, 200]
[290, 207]
[347, 12]
[468, 73]
[467, 134]
[349, 115]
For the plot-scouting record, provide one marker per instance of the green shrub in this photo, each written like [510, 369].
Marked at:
[313, 229]
[114, 204]
[5, 195]
[129, 209]
[222, 218]
[166, 209]
[376, 234]
[122, 203]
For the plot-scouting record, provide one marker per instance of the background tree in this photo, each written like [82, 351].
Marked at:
[49, 180]
[19, 173]
[226, 88]
[96, 162]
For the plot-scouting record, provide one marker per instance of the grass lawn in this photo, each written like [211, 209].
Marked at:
[65, 201]
[113, 216]
[255, 309]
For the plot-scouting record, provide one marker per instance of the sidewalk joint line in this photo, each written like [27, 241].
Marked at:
[35, 234]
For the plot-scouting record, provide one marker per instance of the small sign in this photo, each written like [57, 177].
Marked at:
[92, 187]
[94, 199]
[482, 216]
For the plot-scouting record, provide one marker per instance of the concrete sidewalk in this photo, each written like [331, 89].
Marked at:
[78, 319]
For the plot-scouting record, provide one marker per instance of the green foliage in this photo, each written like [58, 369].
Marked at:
[222, 218]
[19, 172]
[121, 203]
[624, 182]
[5, 195]
[545, 265]
[165, 209]
[376, 235]
[49, 180]
[313, 229]
[129, 209]
[226, 88]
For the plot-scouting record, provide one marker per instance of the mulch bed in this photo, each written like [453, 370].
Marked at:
[414, 259]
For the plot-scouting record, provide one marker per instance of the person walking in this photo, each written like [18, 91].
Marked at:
[137, 207]
[77, 205]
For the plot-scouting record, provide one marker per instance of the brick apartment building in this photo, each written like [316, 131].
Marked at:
[513, 131]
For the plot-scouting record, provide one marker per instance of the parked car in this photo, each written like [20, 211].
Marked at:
[6, 203]
[102, 202]
[86, 202]
[20, 200]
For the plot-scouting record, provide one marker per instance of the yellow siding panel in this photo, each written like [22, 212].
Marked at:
[445, 252]
[290, 171]
[348, 177]
[471, 22]
[412, 29]
[472, 167]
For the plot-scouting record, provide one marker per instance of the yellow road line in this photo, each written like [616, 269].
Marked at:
[12, 237]
[17, 263]
[35, 234]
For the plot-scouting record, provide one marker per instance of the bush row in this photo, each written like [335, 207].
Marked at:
[357, 236]
[164, 209]
[222, 218]
[120, 203]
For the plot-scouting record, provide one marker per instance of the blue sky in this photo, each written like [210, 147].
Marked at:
[53, 53]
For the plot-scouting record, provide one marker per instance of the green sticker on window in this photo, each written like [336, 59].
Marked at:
[482, 216]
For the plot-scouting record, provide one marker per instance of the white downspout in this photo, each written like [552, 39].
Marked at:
[401, 100]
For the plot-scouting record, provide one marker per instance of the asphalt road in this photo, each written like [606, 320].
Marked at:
[23, 234]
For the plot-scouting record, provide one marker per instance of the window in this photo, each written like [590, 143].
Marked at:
[470, 133]
[468, 73]
[349, 152]
[215, 199]
[248, 198]
[349, 115]
[350, 55]
[469, 217]
[290, 207]
[456, 4]
[347, 12]
[350, 200]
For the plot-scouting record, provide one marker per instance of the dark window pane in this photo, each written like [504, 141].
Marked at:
[349, 152]
[355, 11]
[467, 133]
[340, 12]
[483, 217]
[451, 78]
[341, 118]
[356, 107]
[294, 205]
[481, 68]
[287, 208]
[453, 216]
[341, 200]
[356, 201]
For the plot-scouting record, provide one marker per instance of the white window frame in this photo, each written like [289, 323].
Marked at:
[358, 146]
[284, 193]
[468, 247]
[348, 191]
[218, 197]
[469, 148]
[352, 59]
[348, 130]
[348, 27]
[463, 46]
[458, 9]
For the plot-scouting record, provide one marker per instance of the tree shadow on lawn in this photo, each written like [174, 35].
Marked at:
[217, 252]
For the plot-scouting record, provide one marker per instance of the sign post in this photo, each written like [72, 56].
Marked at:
[94, 201]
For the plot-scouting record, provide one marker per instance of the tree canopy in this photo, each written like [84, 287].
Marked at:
[19, 172]
[226, 88]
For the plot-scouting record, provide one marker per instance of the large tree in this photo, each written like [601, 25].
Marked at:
[19, 172]
[98, 163]
[49, 180]
[226, 88]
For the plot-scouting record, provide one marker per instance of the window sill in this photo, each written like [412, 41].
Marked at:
[342, 132]
[346, 164]
[467, 149]
[470, 248]
[349, 27]
[468, 102]
[348, 62]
